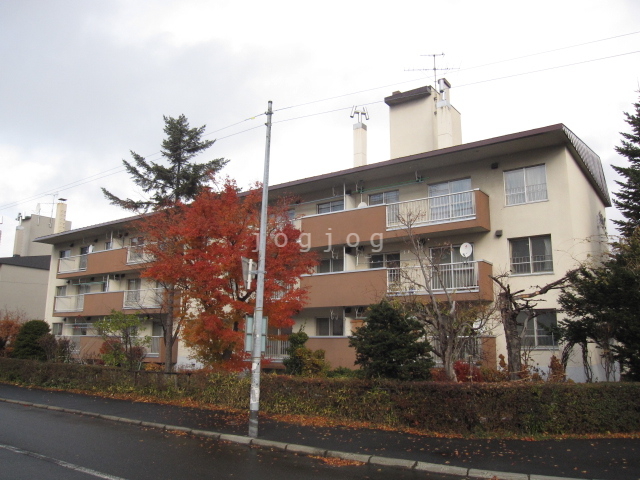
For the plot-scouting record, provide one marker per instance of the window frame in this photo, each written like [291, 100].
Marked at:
[331, 324]
[384, 200]
[331, 207]
[537, 332]
[528, 190]
[516, 268]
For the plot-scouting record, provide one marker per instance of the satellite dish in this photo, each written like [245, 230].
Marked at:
[466, 250]
[362, 205]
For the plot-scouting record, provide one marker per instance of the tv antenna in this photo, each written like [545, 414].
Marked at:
[435, 69]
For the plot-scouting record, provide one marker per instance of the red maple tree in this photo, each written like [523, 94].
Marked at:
[197, 249]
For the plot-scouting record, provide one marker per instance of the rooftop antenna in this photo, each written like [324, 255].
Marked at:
[435, 69]
[360, 112]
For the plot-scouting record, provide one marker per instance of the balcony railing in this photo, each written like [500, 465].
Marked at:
[276, 349]
[68, 303]
[453, 207]
[153, 351]
[138, 254]
[147, 298]
[72, 264]
[450, 277]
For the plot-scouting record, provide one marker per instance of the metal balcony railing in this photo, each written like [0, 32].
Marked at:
[144, 298]
[453, 207]
[138, 254]
[68, 303]
[450, 277]
[72, 264]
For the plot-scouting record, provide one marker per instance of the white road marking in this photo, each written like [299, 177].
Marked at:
[61, 463]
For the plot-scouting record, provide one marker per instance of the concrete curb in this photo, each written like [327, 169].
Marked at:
[306, 450]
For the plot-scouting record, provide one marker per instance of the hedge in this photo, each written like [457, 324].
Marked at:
[483, 409]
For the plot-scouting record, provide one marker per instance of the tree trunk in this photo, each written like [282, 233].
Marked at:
[167, 330]
[514, 342]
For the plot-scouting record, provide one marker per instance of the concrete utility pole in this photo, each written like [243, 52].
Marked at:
[256, 354]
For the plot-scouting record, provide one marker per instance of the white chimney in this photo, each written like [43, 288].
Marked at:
[422, 120]
[359, 137]
[61, 217]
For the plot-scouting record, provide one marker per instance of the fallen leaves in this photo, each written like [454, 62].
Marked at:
[338, 462]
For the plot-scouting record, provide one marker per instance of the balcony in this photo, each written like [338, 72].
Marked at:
[138, 254]
[360, 287]
[88, 346]
[468, 280]
[139, 299]
[102, 303]
[97, 263]
[455, 213]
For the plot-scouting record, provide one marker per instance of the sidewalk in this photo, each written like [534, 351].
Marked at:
[614, 459]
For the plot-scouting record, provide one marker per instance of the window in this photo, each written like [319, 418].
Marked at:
[525, 185]
[335, 263]
[329, 327]
[385, 260]
[451, 199]
[108, 245]
[65, 253]
[531, 255]
[56, 328]
[61, 291]
[391, 196]
[334, 206]
[536, 326]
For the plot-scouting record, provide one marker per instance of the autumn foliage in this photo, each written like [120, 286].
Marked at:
[198, 249]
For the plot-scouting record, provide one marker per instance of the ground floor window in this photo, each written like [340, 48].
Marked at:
[537, 325]
[329, 327]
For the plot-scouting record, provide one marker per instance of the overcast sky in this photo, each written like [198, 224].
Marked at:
[84, 82]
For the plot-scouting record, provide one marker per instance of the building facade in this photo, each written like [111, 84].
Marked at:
[530, 204]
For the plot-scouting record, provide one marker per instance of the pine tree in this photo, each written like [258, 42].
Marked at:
[628, 198]
[392, 344]
[167, 188]
[181, 180]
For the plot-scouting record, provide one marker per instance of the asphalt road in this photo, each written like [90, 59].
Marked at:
[42, 444]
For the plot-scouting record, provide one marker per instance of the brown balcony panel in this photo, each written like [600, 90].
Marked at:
[481, 222]
[361, 287]
[343, 227]
[337, 351]
[97, 304]
[101, 263]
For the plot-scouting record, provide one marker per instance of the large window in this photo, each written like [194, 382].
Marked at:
[449, 200]
[535, 327]
[382, 198]
[531, 255]
[525, 185]
[333, 206]
[329, 327]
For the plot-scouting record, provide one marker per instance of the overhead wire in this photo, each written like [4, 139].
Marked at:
[120, 169]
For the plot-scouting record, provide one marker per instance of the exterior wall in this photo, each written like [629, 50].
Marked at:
[24, 289]
[31, 228]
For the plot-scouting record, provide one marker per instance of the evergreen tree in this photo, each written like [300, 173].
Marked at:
[168, 186]
[392, 344]
[181, 180]
[628, 198]
[27, 344]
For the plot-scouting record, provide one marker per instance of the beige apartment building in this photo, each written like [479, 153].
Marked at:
[531, 204]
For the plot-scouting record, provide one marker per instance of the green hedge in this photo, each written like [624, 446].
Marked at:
[525, 408]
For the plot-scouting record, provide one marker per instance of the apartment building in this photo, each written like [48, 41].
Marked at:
[531, 204]
[95, 270]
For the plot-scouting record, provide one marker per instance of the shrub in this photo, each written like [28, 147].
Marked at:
[302, 360]
[392, 344]
[27, 344]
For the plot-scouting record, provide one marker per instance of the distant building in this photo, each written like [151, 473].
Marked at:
[23, 285]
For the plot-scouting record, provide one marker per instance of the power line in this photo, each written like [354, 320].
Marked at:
[119, 169]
